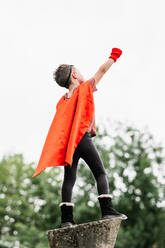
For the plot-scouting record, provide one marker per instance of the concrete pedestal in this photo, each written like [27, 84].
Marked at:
[96, 234]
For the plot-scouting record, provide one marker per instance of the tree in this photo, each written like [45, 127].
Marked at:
[28, 206]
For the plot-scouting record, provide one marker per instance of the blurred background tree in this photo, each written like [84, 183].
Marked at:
[134, 166]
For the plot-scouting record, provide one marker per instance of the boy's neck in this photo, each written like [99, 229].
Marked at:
[73, 86]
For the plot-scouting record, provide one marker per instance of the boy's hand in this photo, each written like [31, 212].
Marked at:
[115, 54]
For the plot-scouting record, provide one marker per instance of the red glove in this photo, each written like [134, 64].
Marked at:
[115, 54]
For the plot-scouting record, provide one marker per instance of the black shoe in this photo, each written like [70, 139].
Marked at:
[67, 214]
[107, 211]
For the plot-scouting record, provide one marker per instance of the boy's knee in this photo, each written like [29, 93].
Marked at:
[101, 174]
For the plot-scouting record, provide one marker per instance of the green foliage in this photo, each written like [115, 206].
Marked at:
[137, 160]
[133, 162]
[28, 206]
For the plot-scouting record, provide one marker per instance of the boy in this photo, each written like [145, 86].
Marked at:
[70, 137]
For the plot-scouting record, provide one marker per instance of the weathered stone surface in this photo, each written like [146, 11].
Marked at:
[96, 234]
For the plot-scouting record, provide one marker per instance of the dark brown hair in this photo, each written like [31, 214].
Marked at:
[62, 75]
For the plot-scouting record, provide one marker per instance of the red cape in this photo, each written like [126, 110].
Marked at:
[72, 119]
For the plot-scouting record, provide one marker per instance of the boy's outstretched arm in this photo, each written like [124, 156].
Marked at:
[115, 54]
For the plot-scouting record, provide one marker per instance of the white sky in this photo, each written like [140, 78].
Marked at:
[37, 36]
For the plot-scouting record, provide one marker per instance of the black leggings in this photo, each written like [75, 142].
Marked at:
[88, 152]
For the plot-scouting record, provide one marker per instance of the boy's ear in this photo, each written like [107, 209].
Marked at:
[74, 74]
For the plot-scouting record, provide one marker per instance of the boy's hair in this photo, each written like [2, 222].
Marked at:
[62, 75]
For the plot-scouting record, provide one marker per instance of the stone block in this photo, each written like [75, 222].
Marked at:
[95, 234]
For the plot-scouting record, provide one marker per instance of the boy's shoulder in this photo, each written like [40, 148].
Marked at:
[92, 82]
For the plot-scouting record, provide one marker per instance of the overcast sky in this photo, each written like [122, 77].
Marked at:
[37, 36]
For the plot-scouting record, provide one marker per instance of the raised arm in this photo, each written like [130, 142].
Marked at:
[115, 54]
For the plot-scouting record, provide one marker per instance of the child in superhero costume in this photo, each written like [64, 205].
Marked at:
[70, 138]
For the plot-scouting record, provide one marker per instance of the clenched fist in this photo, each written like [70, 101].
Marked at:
[115, 54]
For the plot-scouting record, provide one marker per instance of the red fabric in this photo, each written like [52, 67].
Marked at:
[92, 128]
[116, 53]
[72, 119]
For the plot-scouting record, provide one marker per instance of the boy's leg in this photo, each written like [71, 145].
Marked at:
[90, 155]
[69, 178]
